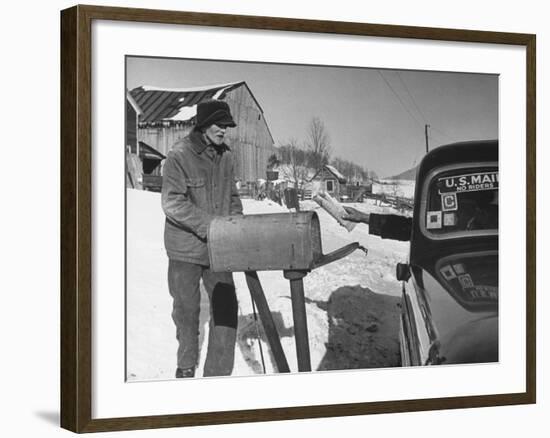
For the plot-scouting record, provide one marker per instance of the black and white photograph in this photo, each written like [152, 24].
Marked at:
[285, 218]
[323, 222]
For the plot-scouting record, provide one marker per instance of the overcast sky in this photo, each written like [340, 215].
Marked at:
[374, 117]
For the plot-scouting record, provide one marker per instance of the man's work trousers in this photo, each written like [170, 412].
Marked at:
[183, 283]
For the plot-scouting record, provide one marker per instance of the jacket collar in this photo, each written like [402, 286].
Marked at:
[199, 145]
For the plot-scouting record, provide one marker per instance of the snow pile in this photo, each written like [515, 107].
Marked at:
[351, 304]
[184, 113]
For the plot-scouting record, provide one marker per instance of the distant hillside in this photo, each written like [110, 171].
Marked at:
[407, 174]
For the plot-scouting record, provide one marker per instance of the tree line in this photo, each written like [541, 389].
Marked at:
[309, 156]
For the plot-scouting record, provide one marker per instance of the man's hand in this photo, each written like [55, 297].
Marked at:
[355, 215]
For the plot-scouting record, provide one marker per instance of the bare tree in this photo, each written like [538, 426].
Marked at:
[273, 161]
[352, 171]
[295, 156]
[318, 144]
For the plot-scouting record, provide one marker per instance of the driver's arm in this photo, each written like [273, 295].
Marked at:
[390, 226]
[387, 226]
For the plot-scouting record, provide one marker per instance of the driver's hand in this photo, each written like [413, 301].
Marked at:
[353, 215]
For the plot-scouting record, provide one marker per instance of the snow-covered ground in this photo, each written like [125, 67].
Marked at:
[352, 304]
[402, 188]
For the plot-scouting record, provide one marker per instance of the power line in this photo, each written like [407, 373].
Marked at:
[425, 124]
[418, 108]
[399, 98]
[412, 98]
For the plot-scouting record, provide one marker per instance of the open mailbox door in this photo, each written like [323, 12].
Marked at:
[268, 242]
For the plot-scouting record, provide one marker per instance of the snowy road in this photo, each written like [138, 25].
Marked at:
[352, 305]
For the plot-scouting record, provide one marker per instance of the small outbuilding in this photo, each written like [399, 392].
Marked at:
[143, 162]
[329, 180]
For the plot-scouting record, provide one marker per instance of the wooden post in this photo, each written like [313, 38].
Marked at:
[300, 319]
[271, 333]
[426, 135]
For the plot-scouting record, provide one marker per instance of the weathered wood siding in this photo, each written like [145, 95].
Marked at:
[131, 125]
[250, 141]
[134, 171]
[162, 138]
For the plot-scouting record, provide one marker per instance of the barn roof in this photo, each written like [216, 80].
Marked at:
[178, 104]
[132, 102]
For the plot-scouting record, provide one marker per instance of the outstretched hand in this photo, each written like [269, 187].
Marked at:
[355, 215]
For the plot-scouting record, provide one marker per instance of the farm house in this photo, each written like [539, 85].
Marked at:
[168, 115]
[329, 180]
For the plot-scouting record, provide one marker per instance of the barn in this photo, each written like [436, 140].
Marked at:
[168, 114]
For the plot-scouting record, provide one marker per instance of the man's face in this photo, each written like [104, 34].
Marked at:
[215, 134]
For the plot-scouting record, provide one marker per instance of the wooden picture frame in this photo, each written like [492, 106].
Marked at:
[76, 217]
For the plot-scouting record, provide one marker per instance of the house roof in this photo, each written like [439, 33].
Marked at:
[334, 171]
[331, 169]
[178, 104]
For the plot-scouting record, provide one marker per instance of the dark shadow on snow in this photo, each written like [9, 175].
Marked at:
[363, 330]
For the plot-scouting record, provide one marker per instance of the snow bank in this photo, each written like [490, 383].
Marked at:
[151, 342]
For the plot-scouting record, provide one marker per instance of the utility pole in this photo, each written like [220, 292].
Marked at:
[426, 134]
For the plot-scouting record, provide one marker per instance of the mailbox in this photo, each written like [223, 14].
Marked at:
[268, 242]
[289, 242]
[265, 242]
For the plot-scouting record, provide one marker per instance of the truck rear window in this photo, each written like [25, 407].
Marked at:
[463, 200]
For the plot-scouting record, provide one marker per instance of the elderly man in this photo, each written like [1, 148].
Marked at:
[198, 184]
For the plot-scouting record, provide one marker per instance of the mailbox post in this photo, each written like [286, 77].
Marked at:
[289, 242]
[300, 318]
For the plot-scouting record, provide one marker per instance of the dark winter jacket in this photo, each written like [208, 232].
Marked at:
[390, 226]
[197, 185]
